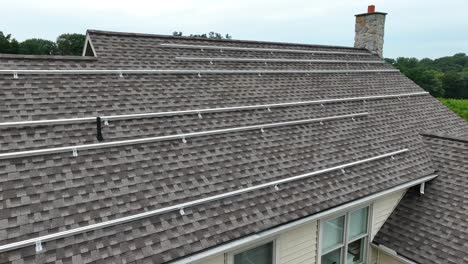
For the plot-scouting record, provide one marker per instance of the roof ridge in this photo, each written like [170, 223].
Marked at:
[46, 57]
[134, 34]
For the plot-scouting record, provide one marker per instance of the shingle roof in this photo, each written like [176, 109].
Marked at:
[48, 193]
[432, 228]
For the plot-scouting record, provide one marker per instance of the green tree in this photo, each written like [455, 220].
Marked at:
[446, 76]
[453, 84]
[70, 44]
[210, 35]
[36, 46]
[7, 44]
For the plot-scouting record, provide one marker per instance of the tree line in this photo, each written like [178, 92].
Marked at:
[210, 35]
[443, 77]
[66, 44]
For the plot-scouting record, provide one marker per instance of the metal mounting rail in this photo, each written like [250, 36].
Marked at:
[196, 72]
[221, 48]
[77, 148]
[272, 60]
[203, 110]
[181, 206]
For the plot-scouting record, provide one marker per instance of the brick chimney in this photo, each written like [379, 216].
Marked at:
[370, 31]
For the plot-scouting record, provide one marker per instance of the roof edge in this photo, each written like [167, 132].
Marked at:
[147, 35]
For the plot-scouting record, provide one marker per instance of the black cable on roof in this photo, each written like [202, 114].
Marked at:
[99, 129]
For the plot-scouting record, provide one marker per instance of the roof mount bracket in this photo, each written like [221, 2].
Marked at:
[39, 247]
[75, 153]
[261, 129]
[15, 75]
[200, 115]
[277, 187]
[181, 211]
[343, 171]
[199, 75]
[184, 140]
[121, 75]
[422, 187]
[269, 109]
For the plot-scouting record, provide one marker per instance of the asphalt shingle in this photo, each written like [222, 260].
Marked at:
[45, 194]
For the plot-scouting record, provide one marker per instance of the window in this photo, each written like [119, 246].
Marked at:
[344, 239]
[263, 254]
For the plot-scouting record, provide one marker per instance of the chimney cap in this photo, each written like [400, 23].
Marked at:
[371, 11]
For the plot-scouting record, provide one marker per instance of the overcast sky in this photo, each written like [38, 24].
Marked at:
[416, 28]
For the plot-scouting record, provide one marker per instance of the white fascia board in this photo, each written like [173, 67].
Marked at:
[88, 42]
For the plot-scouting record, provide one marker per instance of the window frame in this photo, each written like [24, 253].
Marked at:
[230, 255]
[346, 241]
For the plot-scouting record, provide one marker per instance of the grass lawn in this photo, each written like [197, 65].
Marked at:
[459, 106]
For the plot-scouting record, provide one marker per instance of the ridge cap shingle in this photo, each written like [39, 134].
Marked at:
[238, 41]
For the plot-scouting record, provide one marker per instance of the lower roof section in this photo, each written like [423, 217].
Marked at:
[432, 228]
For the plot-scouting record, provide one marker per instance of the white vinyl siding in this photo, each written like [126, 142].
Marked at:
[382, 209]
[380, 257]
[298, 246]
[214, 260]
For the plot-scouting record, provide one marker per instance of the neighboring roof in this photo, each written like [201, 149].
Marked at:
[433, 228]
[47, 193]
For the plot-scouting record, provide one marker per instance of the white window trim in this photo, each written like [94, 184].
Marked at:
[344, 245]
[230, 256]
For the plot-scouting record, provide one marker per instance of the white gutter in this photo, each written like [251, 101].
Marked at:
[228, 247]
[393, 254]
[181, 206]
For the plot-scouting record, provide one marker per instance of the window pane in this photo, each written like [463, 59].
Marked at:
[332, 233]
[259, 255]
[332, 257]
[357, 223]
[356, 252]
